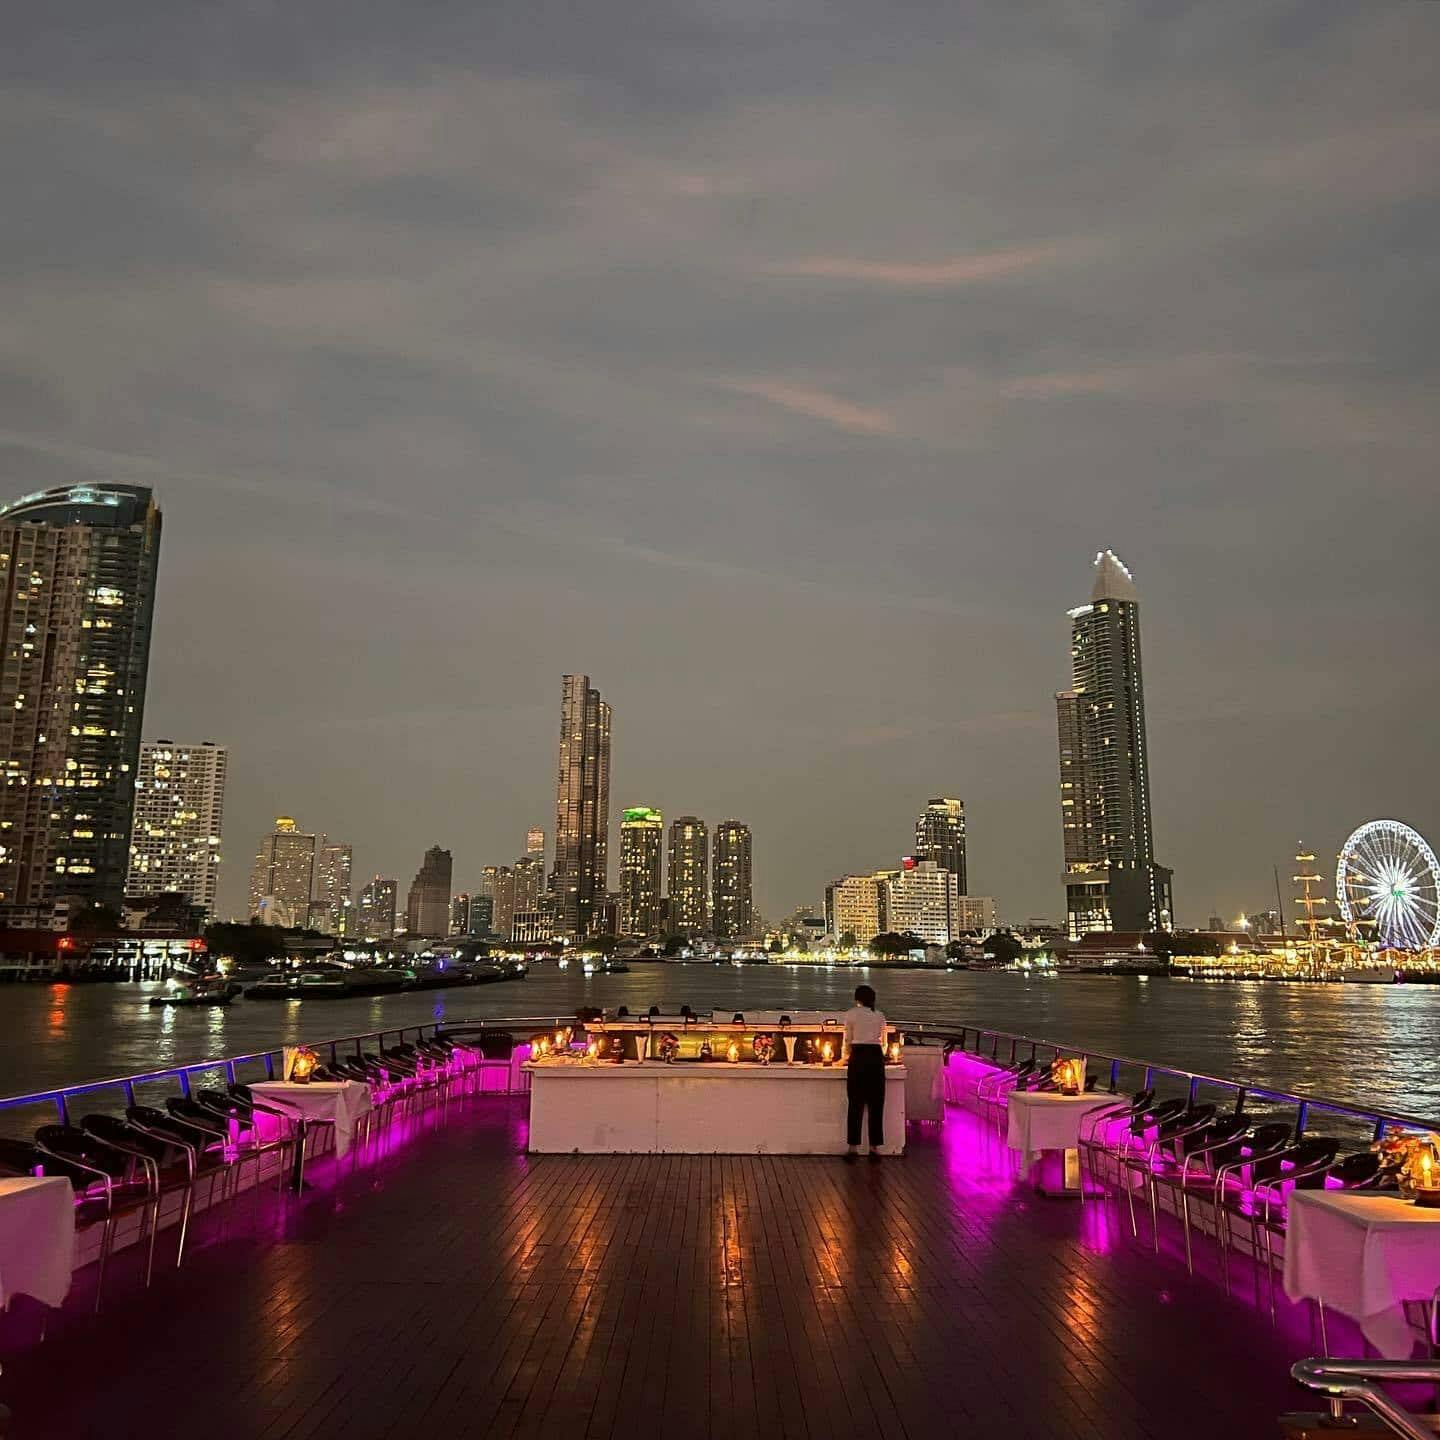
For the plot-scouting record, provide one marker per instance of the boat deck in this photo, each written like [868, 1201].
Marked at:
[457, 1286]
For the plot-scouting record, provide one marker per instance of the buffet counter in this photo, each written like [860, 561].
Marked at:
[606, 1091]
[649, 1107]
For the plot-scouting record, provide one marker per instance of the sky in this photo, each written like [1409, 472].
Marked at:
[780, 365]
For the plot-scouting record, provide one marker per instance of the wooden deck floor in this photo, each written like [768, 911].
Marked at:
[459, 1287]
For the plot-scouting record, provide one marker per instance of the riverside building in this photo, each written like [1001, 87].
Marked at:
[689, 876]
[924, 899]
[731, 895]
[427, 909]
[1111, 879]
[579, 877]
[940, 836]
[78, 565]
[282, 878]
[642, 846]
[179, 813]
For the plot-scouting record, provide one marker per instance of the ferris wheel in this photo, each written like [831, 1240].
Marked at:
[1388, 886]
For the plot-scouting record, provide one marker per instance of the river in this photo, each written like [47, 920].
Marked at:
[1370, 1045]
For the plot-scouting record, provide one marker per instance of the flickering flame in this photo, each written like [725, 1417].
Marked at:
[827, 1051]
[302, 1065]
[1427, 1167]
[894, 1052]
[733, 1053]
[593, 1049]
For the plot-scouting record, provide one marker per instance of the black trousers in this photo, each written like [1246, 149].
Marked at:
[865, 1089]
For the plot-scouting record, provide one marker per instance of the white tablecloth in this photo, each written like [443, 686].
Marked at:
[1363, 1255]
[342, 1102]
[924, 1082]
[1044, 1120]
[37, 1238]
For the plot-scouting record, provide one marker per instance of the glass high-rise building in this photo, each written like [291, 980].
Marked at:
[732, 900]
[179, 811]
[940, 836]
[377, 909]
[579, 878]
[1111, 879]
[78, 565]
[282, 879]
[642, 847]
[689, 876]
[332, 904]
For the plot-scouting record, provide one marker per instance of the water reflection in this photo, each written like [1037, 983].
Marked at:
[1366, 1044]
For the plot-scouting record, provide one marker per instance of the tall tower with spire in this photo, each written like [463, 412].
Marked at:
[1111, 879]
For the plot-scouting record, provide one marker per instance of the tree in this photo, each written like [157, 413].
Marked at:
[777, 946]
[97, 920]
[245, 944]
[674, 944]
[955, 950]
[848, 940]
[1003, 947]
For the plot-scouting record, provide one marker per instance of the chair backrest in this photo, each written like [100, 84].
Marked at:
[69, 1142]
[1356, 1170]
[220, 1100]
[1268, 1137]
[1312, 1156]
[1191, 1118]
[17, 1157]
[1159, 1115]
[197, 1115]
[496, 1044]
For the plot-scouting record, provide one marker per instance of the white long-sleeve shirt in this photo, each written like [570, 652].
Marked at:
[864, 1026]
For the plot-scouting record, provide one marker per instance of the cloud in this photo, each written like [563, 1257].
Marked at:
[920, 274]
[817, 405]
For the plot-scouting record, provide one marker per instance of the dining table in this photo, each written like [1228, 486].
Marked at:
[341, 1103]
[37, 1238]
[1040, 1123]
[1367, 1255]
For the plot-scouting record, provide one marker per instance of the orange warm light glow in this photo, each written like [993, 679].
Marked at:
[302, 1066]
[733, 1053]
[827, 1051]
[894, 1052]
[1069, 1075]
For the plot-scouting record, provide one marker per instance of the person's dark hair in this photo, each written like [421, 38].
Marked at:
[864, 995]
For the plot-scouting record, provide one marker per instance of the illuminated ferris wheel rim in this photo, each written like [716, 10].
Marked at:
[1388, 878]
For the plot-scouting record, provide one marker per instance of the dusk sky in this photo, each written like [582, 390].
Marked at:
[780, 365]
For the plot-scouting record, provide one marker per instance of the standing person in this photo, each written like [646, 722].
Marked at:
[865, 1072]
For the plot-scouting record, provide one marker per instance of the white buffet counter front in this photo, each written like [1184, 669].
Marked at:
[690, 1108]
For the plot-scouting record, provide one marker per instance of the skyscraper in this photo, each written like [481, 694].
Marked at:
[179, 811]
[377, 909]
[1111, 879]
[330, 909]
[940, 836]
[580, 877]
[283, 877]
[642, 842]
[77, 598]
[535, 843]
[731, 897]
[689, 880]
[427, 909]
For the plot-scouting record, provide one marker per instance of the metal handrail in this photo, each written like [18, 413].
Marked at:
[183, 1074]
[961, 1036]
[1343, 1380]
[1380, 1120]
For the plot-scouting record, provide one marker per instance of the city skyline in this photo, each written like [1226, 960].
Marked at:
[811, 381]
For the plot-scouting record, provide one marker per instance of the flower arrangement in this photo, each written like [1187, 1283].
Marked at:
[669, 1047]
[764, 1048]
[1413, 1160]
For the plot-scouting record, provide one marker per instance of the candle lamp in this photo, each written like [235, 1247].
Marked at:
[301, 1068]
[539, 1046]
[1068, 1074]
[894, 1052]
[827, 1052]
[1427, 1182]
[592, 1050]
[732, 1053]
